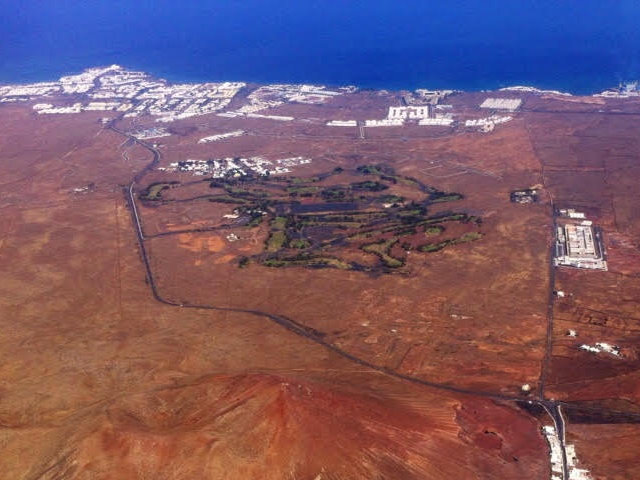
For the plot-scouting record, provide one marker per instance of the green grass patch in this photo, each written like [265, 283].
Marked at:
[333, 194]
[276, 241]
[227, 199]
[279, 223]
[255, 221]
[412, 182]
[389, 199]
[154, 191]
[300, 243]
[435, 230]
[302, 190]
[307, 262]
[434, 247]
[441, 197]
[369, 186]
[381, 249]
[336, 224]
[299, 180]
[469, 237]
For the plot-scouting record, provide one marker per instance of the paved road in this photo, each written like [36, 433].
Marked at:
[555, 412]
[544, 369]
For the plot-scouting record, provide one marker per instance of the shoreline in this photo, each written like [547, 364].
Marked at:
[533, 87]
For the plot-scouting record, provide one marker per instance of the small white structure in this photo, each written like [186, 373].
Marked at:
[385, 122]
[342, 123]
[221, 136]
[489, 123]
[600, 347]
[280, 118]
[438, 121]
[509, 104]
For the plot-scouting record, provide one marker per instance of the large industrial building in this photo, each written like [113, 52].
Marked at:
[579, 245]
[510, 104]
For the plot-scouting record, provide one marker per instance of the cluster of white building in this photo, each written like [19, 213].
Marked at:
[270, 96]
[624, 90]
[487, 124]
[237, 167]
[509, 104]
[432, 97]
[115, 89]
[420, 114]
[555, 454]
[21, 93]
[221, 136]
[154, 132]
[384, 122]
[601, 347]
[292, 162]
[49, 108]
[438, 120]
[539, 91]
[571, 213]
[406, 113]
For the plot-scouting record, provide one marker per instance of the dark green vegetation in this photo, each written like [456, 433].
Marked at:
[154, 191]
[434, 247]
[364, 219]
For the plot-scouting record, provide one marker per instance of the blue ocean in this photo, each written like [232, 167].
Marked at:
[581, 46]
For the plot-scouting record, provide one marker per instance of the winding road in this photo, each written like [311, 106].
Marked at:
[552, 407]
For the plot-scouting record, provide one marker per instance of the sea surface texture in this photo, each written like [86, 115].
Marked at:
[581, 46]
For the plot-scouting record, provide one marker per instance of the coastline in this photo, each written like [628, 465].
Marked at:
[177, 78]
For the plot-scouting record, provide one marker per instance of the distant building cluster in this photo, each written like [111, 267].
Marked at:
[487, 124]
[420, 114]
[528, 195]
[509, 104]
[155, 132]
[23, 93]
[431, 97]
[578, 244]
[525, 89]
[270, 96]
[385, 122]
[222, 136]
[342, 123]
[624, 90]
[600, 347]
[133, 93]
[236, 166]
[404, 113]
[555, 454]
[438, 120]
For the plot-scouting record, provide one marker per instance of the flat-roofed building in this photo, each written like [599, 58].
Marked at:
[578, 245]
[509, 104]
[413, 112]
[580, 241]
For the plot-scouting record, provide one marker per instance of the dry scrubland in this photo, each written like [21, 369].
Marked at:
[410, 373]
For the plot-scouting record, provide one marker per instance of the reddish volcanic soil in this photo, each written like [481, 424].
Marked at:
[337, 374]
[259, 426]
